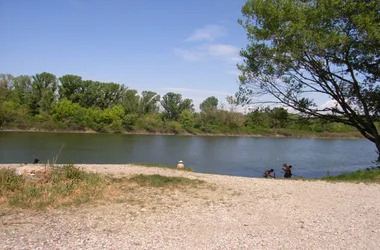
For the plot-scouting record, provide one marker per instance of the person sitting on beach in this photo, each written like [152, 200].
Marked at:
[288, 171]
[180, 164]
[268, 173]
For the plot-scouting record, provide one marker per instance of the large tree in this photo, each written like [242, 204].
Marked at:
[43, 90]
[148, 102]
[22, 89]
[130, 101]
[70, 88]
[174, 105]
[111, 94]
[302, 48]
[210, 104]
[6, 86]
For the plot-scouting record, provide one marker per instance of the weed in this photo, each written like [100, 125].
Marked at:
[62, 186]
[68, 185]
[9, 181]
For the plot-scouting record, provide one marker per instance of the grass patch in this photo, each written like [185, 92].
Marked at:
[364, 176]
[164, 181]
[9, 181]
[67, 185]
[60, 186]
[162, 166]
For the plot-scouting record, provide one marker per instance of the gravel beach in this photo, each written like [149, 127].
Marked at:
[231, 213]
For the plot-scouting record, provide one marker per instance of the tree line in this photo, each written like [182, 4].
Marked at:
[70, 103]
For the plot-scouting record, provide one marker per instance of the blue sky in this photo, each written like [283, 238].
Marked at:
[188, 47]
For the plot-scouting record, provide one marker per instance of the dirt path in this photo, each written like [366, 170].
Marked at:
[237, 213]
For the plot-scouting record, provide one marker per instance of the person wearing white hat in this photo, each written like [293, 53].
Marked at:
[180, 164]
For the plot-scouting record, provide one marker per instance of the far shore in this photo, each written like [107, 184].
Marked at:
[300, 136]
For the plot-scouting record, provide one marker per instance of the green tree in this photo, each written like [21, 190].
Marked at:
[44, 86]
[210, 104]
[148, 102]
[150, 122]
[230, 121]
[187, 120]
[256, 118]
[8, 113]
[209, 109]
[6, 84]
[173, 105]
[70, 87]
[111, 94]
[326, 47]
[278, 117]
[108, 120]
[130, 101]
[22, 89]
[71, 114]
[93, 118]
[114, 117]
[89, 93]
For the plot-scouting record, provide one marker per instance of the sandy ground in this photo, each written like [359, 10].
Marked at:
[236, 213]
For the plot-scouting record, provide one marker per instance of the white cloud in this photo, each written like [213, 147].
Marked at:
[207, 33]
[224, 51]
[189, 54]
[328, 104]
[203, 91]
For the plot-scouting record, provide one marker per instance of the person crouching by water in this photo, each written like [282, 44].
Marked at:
[267, 174]
[180, 164]
[288, 170]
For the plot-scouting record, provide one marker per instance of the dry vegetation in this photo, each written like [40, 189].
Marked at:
[68, 185]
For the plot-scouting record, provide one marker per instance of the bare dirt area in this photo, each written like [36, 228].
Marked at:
[225, 213]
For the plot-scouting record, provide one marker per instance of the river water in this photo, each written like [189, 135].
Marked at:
[240, 156]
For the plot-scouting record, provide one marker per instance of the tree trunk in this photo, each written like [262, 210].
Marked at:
[377, 142]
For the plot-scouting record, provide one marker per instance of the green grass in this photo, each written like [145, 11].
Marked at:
[162, 166]
[361, 176]
[67, 185]
[164, 181]
[9, 181]
[61, 186]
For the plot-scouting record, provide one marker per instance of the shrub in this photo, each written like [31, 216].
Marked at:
[173, 127]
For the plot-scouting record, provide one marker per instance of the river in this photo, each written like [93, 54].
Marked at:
[240, 156]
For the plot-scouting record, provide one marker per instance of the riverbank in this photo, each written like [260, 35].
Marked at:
[275, 135]
[235, 213]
